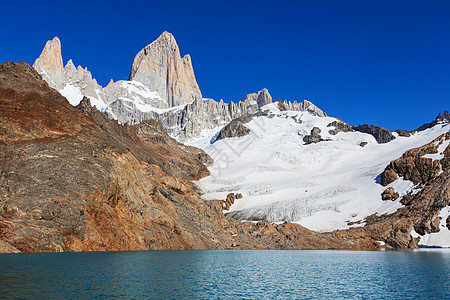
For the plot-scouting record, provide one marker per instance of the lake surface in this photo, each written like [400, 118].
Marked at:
[227, 274]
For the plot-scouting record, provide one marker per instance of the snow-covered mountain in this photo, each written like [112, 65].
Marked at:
[289, 160]
[161, 86]
[328, 184]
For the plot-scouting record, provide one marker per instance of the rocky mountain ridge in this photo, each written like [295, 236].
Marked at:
[161, 86]
[72, 179]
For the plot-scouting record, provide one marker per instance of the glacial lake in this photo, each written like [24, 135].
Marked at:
[245, 274]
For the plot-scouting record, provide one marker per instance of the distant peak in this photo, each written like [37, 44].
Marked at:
[50, 62]
[56, 40]
[166, 34]
[55, 43]
[52, 48]
[159, 66]
[166, 38]
[264, 97]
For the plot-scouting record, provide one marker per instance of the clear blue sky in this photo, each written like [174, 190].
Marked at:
[381, 62]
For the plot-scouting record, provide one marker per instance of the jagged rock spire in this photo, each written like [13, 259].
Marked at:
[264, 97]
[50, 64]
[160, 67]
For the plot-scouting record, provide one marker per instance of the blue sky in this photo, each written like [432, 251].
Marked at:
[379, 62]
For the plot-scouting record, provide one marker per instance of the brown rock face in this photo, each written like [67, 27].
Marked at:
[230, 200]
[402, 132]
[24, 107]
[380, 134]
[340, 127]
[72, 181]
[413, 166]
[389, 194]
[421, 209]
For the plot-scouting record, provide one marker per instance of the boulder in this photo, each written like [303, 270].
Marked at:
[313, 137]
[403, 132]
[380, 134]
[389, 194]
[233, 129]
[363, 144]
[340, 127]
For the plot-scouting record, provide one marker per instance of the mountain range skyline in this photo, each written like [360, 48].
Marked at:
[377, 60]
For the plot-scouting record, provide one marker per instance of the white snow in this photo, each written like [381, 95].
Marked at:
[74, 96]
[441, 238]
[138, 96]
[414, 234]
[320, 186]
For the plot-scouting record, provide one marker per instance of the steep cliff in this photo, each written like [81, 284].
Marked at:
[160, 67]
[50, 64]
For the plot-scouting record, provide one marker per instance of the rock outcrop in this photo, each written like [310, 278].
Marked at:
[380, 134]
[263, 98]
[230, 200]
[202, 114]
[235, 128]
[440, 119]
[314, 137]
[160, 67]
[389, 194]
[73, 82]
[413, 166]
[340, 127]
[403, 132]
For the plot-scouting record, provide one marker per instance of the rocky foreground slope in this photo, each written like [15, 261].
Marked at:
[72, 179]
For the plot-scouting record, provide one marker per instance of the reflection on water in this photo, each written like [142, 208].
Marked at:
[227, 274]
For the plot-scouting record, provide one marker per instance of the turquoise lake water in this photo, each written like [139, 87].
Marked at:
[227, 275]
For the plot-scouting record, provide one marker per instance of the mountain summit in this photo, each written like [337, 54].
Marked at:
[161, 86]
[160, 67]
[50, 64]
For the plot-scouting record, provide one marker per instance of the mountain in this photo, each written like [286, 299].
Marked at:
[287, 161]
[160, 67]
[72, 179]
[327, 175]
[161, 86]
